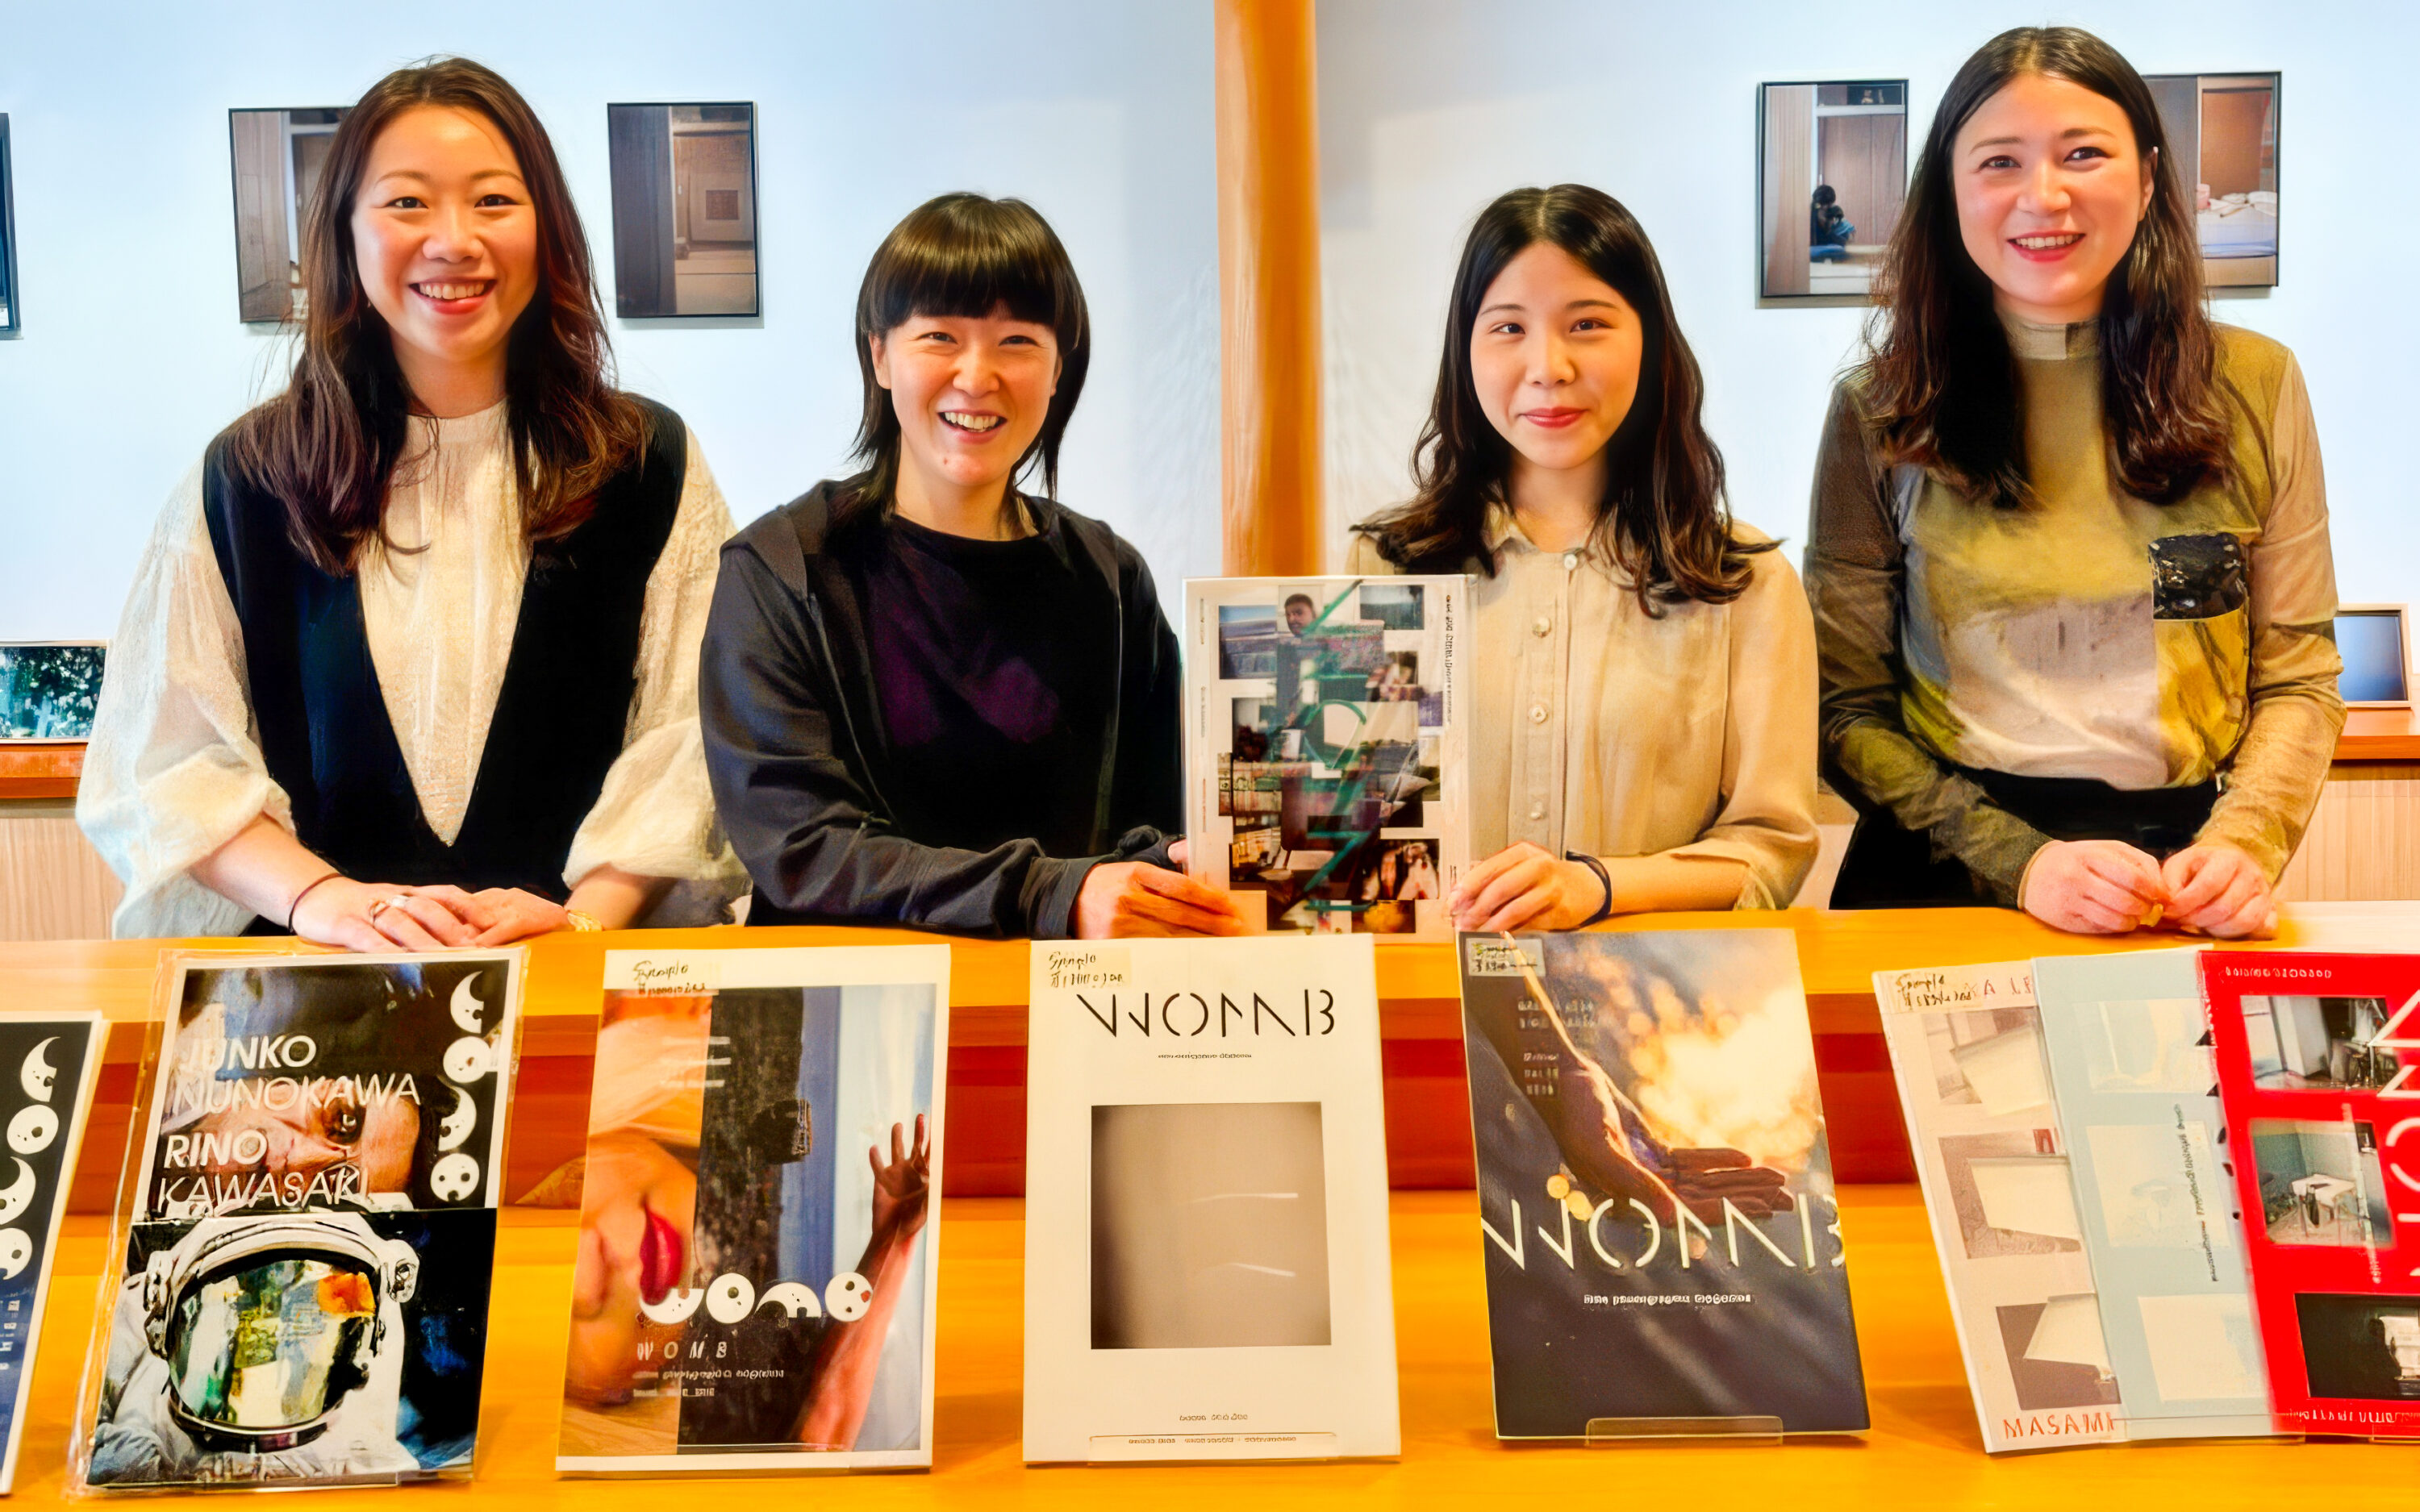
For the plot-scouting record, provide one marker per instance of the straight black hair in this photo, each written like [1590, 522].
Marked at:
[964, 256]
[1662, 519]
[1941, 379]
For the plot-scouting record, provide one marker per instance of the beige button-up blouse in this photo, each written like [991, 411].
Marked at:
[1600, 730]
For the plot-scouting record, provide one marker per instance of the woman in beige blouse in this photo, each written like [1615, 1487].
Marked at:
[1646, 715]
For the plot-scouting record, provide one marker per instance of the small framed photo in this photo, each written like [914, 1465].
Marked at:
[2375, 640]
[8, 322]
[49, 689]
[1831, 176]
[2222, 131]
[277, 157]
[684, 209]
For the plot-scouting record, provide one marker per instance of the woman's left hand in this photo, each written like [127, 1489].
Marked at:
[1521, 887]
[2218, 890]
[501, 915]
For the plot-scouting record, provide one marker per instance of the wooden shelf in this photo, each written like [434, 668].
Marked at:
[2380, 735]
[49, 769]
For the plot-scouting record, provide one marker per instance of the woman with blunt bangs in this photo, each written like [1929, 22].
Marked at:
[2069, 556]
[1645, 738]
[409, 661]
[929, 697]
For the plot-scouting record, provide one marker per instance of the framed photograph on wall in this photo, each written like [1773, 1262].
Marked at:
[8, 325]
[277, 156]
[2222, 131]
[2376, 642]
[49, 688]
[684, 209]
[1831, 175]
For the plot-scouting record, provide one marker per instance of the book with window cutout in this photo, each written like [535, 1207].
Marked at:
[1325, 781]
[1656, 1212]
[2318, 1061]
[1206, 1267]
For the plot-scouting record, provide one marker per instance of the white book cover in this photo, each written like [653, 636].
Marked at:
[1207, 1266]
[756, 1282]
[1966, 1046]
[48, 1064]
[1326, 782]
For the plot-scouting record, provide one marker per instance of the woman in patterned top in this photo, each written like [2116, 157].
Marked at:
[2069, 557]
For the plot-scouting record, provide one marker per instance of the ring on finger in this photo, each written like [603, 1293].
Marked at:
[393, 901]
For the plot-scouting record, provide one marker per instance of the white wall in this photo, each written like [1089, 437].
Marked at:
[1431, 108]
[1098, 112]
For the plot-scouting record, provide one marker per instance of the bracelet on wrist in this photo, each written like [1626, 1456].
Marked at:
[294, 907]
[1604, 880]
[582, 923]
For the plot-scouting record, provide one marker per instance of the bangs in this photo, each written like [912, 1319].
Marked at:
[966, 256]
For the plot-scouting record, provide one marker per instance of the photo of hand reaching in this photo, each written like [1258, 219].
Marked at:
[1611, 1152]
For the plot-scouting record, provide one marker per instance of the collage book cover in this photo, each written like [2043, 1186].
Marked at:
[1655, 1200]
[2319, 1061]
[1323, 741]
[1966, 1047]
[1206, 1265]
[754, 1281]
[308, 1261]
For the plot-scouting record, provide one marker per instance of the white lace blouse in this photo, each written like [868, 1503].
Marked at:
[175, 769]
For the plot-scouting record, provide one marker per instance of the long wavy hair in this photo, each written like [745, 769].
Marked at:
[1662, 519]
[964, 256]
[1940, 380]
[328, 446]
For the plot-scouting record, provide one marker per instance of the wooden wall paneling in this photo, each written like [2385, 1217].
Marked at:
[2363, 839]
[53, 885]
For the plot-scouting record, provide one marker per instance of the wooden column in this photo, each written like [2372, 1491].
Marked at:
[1268, 283]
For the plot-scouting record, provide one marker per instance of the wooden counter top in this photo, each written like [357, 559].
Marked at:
[2380, 735]
[1923, 1449]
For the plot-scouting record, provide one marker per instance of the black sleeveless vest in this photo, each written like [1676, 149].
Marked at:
[560, 714]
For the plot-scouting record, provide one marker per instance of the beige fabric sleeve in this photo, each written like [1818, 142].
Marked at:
[2279, 766]
[174, 770]
[655, 816]
[1767, 818]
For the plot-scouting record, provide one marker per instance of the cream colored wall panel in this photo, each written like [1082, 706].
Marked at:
[2363, 842]
[52, 884]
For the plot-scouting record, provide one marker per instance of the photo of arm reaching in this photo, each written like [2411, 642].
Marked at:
[850, 1352]
[1604, 1138]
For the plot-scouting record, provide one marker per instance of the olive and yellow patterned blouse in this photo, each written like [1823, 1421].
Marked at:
[2088, 635]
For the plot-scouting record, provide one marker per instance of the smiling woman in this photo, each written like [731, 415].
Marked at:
[409, 660]
[930, 698]
[2069, 556]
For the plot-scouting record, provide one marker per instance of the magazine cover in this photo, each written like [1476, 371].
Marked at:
[1324, 749]
[49, 1063]
[2130, 1062]
[296, 1082]
[1206, 1270]
[1966, 1047]
[754, 1286]
[1655, 1202]
[2318, 1060]
[309, 1257]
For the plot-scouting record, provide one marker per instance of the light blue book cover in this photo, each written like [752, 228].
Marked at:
[2137, 1090]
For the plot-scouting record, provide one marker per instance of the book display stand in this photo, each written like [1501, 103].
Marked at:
[1614, 1432]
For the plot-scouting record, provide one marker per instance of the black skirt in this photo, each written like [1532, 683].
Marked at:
[1889, 867]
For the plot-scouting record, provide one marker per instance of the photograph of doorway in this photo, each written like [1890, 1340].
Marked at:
[278, 155]
[1831, 175]
[2222, 131]
[684, 209]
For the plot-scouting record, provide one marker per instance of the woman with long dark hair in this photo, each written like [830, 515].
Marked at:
[2069, 556]
[410, 660]
[930, 697]
[1646, 735]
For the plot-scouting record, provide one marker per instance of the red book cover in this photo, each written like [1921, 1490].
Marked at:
[2319, 1064]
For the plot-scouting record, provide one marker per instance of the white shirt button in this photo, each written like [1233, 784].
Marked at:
[1571, 559]
[1543, 626]
[1537, 714]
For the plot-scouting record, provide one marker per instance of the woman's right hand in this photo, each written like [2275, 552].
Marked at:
[1121, 898]
[383, 916]
[2093, 886]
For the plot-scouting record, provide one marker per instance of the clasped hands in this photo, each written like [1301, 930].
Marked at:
[2107, 887]
[378, 915]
